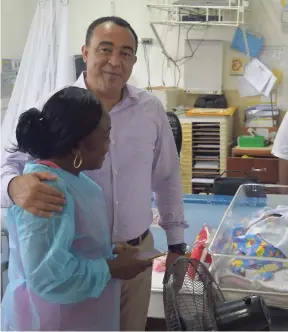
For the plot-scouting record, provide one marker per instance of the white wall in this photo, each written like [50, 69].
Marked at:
[17, 16]
[267, 18]
[82, 13]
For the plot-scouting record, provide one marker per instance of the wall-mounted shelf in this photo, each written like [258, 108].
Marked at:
[232, 14]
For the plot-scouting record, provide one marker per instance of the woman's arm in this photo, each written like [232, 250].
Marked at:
[51, 268]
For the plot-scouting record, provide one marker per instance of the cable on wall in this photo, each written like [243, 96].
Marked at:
[177, 53]
[178, 62]
[146, 57]
[181, 61]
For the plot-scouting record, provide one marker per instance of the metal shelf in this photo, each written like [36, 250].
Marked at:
[231, 15]
[208, 14]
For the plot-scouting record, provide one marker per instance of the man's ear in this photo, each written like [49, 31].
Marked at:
[84, 53]
[135, 59]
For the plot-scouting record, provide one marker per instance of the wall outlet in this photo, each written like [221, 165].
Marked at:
[146, 41]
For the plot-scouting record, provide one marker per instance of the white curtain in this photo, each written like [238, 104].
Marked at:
[46, 64]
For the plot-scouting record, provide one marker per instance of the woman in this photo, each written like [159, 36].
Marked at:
[63, 270]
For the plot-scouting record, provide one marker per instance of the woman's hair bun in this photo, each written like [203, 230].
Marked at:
[30, 132]
[33, 115]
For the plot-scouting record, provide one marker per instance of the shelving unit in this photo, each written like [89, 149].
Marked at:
[177, 14]
[205, 149]
[230, 15]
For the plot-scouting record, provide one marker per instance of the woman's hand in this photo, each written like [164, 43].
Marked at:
[122, 247]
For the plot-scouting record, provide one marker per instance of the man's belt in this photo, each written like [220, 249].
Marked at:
[137, 241]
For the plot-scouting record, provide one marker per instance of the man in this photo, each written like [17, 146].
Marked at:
[280, 150]
[142, 157]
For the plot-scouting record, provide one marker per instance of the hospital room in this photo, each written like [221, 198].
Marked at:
[120, 113]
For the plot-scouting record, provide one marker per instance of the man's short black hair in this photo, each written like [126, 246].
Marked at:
[117, 20]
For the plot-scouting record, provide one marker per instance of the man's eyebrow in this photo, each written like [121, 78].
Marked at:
[128, 48]
[105, 43]
[108, 43]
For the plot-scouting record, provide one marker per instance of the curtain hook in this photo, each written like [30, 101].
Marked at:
[64, 2]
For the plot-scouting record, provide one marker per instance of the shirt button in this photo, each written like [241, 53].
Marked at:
[115, 171]
[117, 202]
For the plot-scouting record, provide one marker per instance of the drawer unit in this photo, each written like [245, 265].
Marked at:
[265, 170]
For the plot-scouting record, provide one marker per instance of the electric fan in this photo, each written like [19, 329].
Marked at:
[176, 129]
[194, 302]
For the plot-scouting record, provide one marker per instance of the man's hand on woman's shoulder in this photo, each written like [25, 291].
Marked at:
[30, 193]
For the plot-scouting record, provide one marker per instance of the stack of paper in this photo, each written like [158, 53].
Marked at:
[203, 180]
[262, 116]
[206, 155]
[262, 111]
[206, 165]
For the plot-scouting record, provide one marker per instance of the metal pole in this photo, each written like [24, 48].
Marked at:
[159, 40]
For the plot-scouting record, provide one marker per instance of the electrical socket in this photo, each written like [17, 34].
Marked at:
[146, 41]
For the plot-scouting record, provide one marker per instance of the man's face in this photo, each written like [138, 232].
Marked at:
[110, 57]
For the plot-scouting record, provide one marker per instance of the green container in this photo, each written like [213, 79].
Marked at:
[251, 141]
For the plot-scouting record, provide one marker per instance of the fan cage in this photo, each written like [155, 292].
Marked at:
[190, 296]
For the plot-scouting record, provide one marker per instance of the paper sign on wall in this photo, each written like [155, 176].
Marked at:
[237, 67]
[260, 77]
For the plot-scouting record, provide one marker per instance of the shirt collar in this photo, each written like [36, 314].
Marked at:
[80, 83]
[129, 92]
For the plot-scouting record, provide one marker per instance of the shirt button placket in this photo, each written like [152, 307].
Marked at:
[114, 183]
